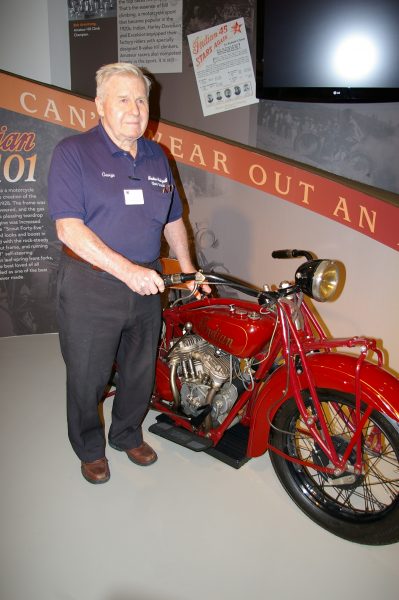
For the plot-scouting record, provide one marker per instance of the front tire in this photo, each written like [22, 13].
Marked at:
[359, 508]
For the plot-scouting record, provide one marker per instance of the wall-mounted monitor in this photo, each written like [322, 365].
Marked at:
[328, 50]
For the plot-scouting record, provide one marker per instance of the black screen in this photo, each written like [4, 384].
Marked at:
[328, 50]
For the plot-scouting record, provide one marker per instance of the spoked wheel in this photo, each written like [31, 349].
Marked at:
[362, 508]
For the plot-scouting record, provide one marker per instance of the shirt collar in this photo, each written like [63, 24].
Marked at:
[143, 147]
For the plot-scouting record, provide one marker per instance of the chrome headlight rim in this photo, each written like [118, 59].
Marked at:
[319, 279]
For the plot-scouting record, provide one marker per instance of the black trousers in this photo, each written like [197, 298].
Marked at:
[101, 320]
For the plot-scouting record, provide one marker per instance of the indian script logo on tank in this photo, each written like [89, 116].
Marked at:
[215, 335]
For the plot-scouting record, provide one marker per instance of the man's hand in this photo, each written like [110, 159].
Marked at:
[204, 287]
[144, 281]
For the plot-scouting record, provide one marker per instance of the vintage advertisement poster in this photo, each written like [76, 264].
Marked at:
[223, 67]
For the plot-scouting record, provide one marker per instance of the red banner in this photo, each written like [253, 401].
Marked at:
[344, 204]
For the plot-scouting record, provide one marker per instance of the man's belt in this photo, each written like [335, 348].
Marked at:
[151, 265]
[73, 254]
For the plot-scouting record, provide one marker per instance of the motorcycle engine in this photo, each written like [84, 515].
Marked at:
[206, 377]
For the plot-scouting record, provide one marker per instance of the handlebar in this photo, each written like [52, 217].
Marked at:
[292, 254]
[176, 278]
[264, 297]
[212, 278]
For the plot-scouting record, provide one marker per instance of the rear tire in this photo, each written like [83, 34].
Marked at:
[360, 508]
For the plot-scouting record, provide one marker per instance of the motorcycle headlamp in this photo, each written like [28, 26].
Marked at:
[319, 279]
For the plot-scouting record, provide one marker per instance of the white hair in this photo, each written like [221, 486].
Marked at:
[120, 68]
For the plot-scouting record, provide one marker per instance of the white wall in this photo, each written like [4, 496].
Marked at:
[34, 40]
[60, 64]
[24, 39]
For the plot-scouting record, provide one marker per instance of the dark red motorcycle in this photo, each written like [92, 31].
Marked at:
[238, 377]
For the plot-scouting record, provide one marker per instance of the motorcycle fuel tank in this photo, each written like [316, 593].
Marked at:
[239, 328]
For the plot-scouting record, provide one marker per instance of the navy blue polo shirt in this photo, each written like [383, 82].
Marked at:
[125, 201]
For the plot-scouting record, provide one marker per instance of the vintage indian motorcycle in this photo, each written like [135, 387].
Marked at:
[236, 378]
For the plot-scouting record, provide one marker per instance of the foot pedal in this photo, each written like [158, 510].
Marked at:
[166, 428]
[232, 448]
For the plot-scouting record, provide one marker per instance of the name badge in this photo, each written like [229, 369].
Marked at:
[133, 197]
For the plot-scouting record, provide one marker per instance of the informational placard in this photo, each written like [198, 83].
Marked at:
[223, 67]
[33, 118]
[150, 34]
[147, 33]
[28, 250]
[23, 236]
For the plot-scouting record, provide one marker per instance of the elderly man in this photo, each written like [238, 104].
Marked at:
[112, 194]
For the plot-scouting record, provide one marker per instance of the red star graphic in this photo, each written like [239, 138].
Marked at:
[236, 28]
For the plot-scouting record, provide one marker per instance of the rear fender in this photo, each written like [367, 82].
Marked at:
[334, 371]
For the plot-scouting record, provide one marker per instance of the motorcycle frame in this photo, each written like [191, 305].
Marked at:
[300, 344]
[310, 362]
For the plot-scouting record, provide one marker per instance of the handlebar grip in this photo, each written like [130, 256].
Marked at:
[283, 253]
[291, 254]
[176, 278]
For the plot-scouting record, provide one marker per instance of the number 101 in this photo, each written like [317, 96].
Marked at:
[16, 168]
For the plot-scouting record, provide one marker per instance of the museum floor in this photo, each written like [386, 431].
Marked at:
[187, 528]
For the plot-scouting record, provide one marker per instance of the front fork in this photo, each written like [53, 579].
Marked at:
[296, 347]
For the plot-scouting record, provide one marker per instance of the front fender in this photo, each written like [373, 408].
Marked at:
[334, 371]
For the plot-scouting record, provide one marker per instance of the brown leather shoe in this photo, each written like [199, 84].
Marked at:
[143, 455]
[96, 471]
